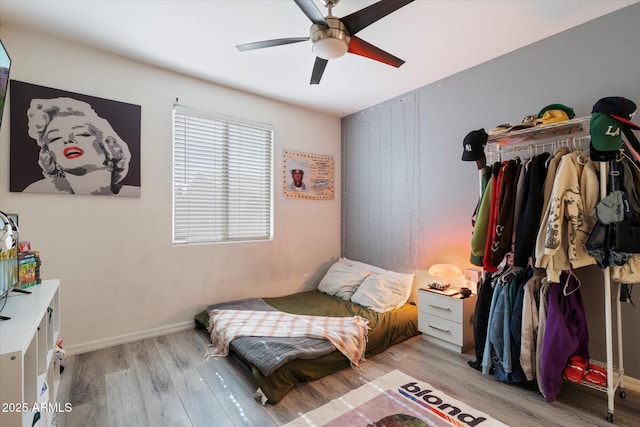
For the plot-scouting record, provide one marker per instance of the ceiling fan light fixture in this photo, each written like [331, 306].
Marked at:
[330, 48]
[330, 42]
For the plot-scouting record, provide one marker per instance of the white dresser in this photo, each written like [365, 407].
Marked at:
[446, 320]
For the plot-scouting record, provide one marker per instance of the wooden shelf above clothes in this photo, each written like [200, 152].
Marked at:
[574, 127]
[530, 141]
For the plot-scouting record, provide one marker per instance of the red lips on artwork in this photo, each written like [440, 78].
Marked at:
[73, 152]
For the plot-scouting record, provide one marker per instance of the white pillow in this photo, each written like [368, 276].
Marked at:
[342, 280]
[384, 292]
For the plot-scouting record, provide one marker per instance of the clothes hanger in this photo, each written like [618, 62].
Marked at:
[548, 161]
[583, 142]
[500, 270]
[632, 161]
[565, 292]
[584, 156]
[506, 271]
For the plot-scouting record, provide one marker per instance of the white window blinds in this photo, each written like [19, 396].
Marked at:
[222, 173]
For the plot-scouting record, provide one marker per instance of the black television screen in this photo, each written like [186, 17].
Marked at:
[9, 263]
[5, 65]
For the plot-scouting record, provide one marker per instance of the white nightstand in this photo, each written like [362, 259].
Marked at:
[446, 320]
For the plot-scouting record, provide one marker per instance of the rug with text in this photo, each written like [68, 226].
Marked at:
[397, 400]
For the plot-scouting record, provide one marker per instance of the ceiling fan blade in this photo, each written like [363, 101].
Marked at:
[270, 43]
[370, 14]
[360, 47]
[311, 10]
[318, 70]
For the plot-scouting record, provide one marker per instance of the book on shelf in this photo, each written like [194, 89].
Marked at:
[29, 269]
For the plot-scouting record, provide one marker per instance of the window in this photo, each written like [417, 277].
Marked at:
[222, 177]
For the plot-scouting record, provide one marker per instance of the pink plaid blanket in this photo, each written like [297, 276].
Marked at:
[347, 334]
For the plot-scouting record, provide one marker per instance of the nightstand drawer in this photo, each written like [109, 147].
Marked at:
[442, 306]
[446, 320]
[446, 330]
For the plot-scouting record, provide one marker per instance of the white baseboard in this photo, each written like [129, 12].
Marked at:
[122, 339]
[632, 384]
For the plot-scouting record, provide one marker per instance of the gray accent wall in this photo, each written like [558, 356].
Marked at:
[407, 198]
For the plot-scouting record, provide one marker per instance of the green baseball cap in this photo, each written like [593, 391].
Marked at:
[606, 136]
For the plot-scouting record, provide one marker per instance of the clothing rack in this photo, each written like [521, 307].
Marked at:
[611, 385]
[573, 134]
[498, 153]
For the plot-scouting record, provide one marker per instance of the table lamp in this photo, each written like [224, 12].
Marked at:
[447, 274]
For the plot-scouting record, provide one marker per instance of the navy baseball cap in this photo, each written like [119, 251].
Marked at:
[473, 145]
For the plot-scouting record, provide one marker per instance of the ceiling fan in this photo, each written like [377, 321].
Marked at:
[332, 37]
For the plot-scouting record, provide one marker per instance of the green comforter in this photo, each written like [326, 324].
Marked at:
[386, 329]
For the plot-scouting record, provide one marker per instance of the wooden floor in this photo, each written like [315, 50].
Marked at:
[164, 381]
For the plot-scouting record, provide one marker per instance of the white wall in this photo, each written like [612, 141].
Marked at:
[122, 279]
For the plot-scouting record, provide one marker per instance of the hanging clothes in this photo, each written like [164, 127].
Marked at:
[481, 224]
[502, 344]
[552, 168]
[543, 308]
[485, 178]
[629, 182]
[547, 310]
[488, 353]
[501, 220]
[498, 332]
[481, 319]
[531, 212]
[630, 177]
[517, 209]
[567, 222]
[566, 332]
[502, 234]
[496, 181]
[513, 372]
[530, 323]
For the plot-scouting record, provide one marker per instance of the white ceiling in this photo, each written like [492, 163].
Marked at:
[436, 38]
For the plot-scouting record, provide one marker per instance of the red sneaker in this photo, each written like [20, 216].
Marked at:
[596, 375]
[574, 371]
